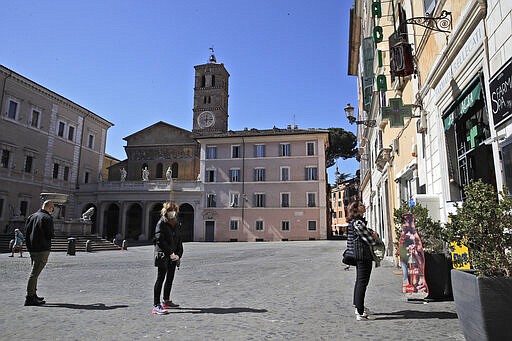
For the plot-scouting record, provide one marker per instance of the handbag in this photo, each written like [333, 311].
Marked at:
[348, 258]
[161, 260]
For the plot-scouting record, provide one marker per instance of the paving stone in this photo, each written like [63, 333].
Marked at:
[227, 291]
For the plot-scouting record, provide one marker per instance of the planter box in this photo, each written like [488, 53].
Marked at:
[437, 276]
[484, 306]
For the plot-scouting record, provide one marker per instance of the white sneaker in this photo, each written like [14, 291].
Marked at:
[366, 311]
[159, 310]
[363, 317]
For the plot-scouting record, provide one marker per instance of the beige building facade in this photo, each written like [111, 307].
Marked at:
[48, 144]
[452, 76]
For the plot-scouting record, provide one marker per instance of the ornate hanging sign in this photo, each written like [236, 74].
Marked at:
[443, 23]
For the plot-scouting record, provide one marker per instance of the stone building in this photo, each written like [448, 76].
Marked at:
[212, 176]
[435, 77]
[264, 185]
[48, 143]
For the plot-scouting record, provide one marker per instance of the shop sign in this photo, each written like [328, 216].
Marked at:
[472, 44]
[378, 37]
[501, 94]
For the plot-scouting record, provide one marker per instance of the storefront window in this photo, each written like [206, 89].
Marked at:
[466, 126]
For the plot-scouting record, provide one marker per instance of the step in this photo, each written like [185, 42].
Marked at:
[60, 243]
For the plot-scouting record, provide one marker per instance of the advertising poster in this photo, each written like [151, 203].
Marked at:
[412, 260]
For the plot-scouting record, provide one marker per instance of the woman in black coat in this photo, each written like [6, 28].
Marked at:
[168, 252]
[360, 239]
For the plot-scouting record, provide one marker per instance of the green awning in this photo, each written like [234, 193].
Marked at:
[449, 120]
[465, 102]
[470, 99]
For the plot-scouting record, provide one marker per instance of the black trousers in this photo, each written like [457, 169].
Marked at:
[164, 273]
[363, 270]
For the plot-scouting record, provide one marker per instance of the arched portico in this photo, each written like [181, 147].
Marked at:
[186, 215]
[133, 222]
[154, 216]
[111, 221]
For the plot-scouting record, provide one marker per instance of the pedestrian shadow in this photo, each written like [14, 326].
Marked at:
[233, 310]
[414, 315]
[94, 306]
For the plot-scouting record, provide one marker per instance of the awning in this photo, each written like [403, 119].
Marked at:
[462, 105]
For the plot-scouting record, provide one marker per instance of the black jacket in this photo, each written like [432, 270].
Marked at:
[39, 231]
[359, 239]
[168, 238]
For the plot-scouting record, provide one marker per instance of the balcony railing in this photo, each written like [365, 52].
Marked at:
[151, 186]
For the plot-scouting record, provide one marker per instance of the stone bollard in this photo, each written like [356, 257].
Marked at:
[88, 246]
[71, 246]
[125, 245]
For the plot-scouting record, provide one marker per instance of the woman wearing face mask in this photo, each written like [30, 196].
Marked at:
[168, 252]
[360, 239]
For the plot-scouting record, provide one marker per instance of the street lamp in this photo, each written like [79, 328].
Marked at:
[349, 110]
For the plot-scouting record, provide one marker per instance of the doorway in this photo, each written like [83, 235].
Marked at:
[209, 235]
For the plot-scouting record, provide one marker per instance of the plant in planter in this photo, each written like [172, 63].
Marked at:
[437, 261]
[484, 298]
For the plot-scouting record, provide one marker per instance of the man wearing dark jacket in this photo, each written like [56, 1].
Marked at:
[39, 233]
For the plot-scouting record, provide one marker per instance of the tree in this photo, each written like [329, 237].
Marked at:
[341, 177]
[342, 144]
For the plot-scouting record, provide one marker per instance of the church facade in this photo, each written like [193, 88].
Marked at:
[248, 185]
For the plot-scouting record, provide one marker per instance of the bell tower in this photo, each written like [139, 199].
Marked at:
[210, 97]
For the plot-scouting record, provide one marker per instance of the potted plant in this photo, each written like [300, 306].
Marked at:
[438, 262]
[483, 297]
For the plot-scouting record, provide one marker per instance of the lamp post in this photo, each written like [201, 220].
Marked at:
[349, 110]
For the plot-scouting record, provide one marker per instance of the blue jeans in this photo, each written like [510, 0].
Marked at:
[363, 271]
[39, 260]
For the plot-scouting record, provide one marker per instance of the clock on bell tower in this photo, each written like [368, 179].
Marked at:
[210, 97]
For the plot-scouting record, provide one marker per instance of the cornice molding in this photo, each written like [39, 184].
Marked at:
[54, 97]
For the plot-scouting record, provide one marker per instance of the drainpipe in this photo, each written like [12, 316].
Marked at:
[243, 180]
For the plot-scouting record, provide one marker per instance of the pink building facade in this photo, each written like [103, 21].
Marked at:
[264, 185]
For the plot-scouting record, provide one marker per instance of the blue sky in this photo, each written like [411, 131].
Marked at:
[132, 62]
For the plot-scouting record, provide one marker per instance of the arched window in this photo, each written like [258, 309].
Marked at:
[203, 81]
[204, 99]
[209, 99]
[174, 169]
[159, 171]
[213, 80]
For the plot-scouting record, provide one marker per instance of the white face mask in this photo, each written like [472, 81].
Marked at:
[171, 215]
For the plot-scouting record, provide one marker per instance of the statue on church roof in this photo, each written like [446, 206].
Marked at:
[123, 174]
[168, 174]
[145, 174]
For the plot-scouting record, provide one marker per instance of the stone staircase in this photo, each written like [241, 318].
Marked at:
[60, 243]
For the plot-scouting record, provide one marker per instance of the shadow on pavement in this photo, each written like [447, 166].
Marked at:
[95, 306]
[414, 314]
[234, 310]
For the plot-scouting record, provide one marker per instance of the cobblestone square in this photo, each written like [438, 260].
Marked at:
[227, 291]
